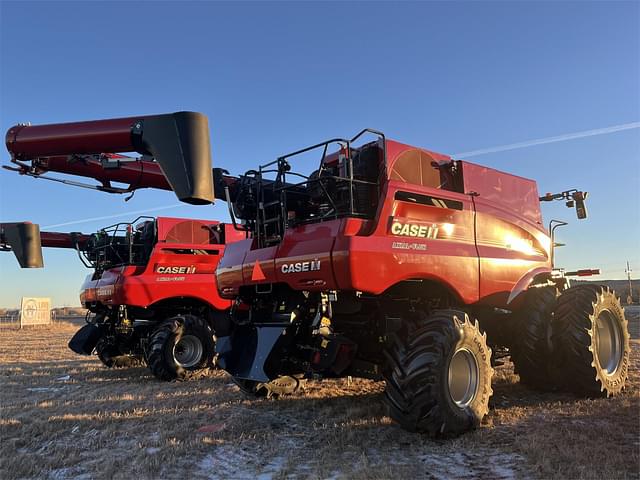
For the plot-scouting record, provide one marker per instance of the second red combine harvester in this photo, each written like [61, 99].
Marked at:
[150, 294]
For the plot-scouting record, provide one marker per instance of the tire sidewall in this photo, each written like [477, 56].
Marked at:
[162, 342]
[169, 347]
[471, 340]
[607, 302]
[191, 326]
[575, 353]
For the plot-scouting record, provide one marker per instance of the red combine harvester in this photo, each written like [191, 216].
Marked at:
[149, 295]
[393, 262]
[151, 292]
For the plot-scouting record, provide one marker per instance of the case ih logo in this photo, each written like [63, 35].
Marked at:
[311, 266]
[413, 230]
[183, 269]
[106, 291]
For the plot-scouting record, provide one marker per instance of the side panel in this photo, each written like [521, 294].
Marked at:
[259, 266]
[88, 290]
[108, 288]
[510, 250]
[304, 256]
[167, 275]
[516, 194]
[302, 260]
[229, 272]
[422, 233]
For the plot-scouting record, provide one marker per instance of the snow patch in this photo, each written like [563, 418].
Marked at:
[236, 462]
[44, 389]
[68, 473]
[479, 464]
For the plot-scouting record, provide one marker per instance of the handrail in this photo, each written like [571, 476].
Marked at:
[276, 211]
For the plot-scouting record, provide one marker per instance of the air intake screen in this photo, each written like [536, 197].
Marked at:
[193, 232]
[414, 166]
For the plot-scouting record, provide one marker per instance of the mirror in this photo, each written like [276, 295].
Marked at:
[579, 199]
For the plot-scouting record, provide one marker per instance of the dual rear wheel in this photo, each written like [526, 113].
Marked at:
[438, 375]
[576, 341]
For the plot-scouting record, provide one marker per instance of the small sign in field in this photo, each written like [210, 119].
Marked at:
[35, 311]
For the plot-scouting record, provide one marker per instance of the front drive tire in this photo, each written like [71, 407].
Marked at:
[438, 374]
[181, 344]
[591, 341]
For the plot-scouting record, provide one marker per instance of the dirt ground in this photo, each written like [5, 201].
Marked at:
[67, 417]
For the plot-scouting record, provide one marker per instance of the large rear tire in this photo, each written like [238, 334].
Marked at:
[591, 341]
[531, 348]
[179, 345]
[438, 374]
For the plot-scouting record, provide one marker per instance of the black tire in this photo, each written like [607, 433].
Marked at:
[111, 356]
[591, 341]
[106, 352]
[419, 357]
[531, 347]
[162, 354]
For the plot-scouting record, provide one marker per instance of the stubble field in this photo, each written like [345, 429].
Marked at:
[67, 417]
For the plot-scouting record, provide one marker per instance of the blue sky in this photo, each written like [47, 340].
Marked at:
[273, 77]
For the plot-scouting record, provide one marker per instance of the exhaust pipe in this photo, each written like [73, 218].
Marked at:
[23, 239]
[179, 142]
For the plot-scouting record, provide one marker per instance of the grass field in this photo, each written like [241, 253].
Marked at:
[67, 417]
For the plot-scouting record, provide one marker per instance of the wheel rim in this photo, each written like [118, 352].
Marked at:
[188, 351]
[463, 377]
[608, 339]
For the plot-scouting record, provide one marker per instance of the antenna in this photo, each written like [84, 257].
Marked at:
[628, 272]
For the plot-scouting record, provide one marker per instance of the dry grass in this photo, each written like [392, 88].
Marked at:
[100, 423]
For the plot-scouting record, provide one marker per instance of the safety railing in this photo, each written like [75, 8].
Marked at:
[115, 245]
[338, 191]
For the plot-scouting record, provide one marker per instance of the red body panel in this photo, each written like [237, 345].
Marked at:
[167, 274]
[516, 195]
[483, 243]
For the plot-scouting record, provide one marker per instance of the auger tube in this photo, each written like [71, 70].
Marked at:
[179, 142]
